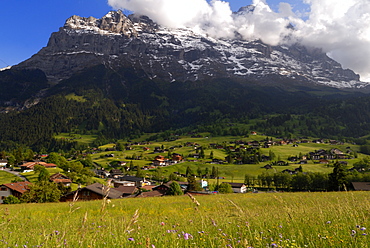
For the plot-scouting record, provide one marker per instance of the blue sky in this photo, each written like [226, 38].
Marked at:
[26, 25]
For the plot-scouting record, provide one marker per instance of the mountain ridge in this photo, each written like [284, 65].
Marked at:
[116, 40]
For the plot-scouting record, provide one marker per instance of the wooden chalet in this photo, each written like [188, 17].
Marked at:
[15, 189]
[127, 190]
[238, 187]
[31, 165]
[60, 178]
[94, 191]
[361, 186]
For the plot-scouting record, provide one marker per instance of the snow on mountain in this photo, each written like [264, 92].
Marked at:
[5, 68]
[181, 54]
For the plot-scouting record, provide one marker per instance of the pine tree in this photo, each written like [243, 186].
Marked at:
[175, 189]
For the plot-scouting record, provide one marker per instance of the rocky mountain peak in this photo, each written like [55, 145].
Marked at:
[118, 41]
[115, 22]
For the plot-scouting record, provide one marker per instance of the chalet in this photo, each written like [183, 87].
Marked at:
[176, 157]
[94, 191]
[15, 189]
[115, 173]
[238, 187]
[118, 183]
[102, 173]
[323, 161]
[254, 143]
[159, 161]
[158, 150]
[139, 181]
[194, 155]
[31, 165]
[3, 163]
[267, 167]
[122, 163]
[127, 190]
[163, 188]
[336, 151]
[361, 186]
[60, 178]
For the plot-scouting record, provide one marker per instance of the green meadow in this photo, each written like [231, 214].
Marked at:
[235, 220]
[232, 172]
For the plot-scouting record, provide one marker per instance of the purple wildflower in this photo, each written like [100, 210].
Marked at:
[328, 222]
[187, 236]
[362, 228]
[131, 239]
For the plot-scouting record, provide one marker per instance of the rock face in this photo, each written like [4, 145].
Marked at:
[180, 54]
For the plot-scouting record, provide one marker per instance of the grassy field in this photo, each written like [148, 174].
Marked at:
[83, 139]
[6, 177]
[235, 220]
[230, 171]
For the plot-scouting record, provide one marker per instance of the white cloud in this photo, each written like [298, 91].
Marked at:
[340, 28]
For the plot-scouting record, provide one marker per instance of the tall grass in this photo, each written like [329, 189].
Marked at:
[235, 220]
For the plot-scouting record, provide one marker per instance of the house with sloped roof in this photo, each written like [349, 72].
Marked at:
[96, 191]
[31, 165]
[60, 178]
[15, 189]
[3, 163]
[238, 187]
[361, 186]
[127, 190]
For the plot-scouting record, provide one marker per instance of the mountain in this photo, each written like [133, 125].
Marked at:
[118, 41]
[120, 76]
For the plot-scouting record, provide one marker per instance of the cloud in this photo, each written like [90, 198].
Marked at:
[340, 29]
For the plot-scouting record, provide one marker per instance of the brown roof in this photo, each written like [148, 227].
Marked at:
[236, 185]
[148, 187]
[58, 176]
[30, 165]
[20, 187]
[154, 193]
[61, 180]
[127, 190]
[98, 189]
[361, 186]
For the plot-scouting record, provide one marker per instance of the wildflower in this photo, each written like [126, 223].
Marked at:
[131, 239]
[162, 223]
[56, 232]
[362, 228]
[328, 222]
[357, 226]
[187, 236]
[353, 233]
[273, 245]
[153, 246]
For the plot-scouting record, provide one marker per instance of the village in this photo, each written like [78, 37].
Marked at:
[128, 179]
